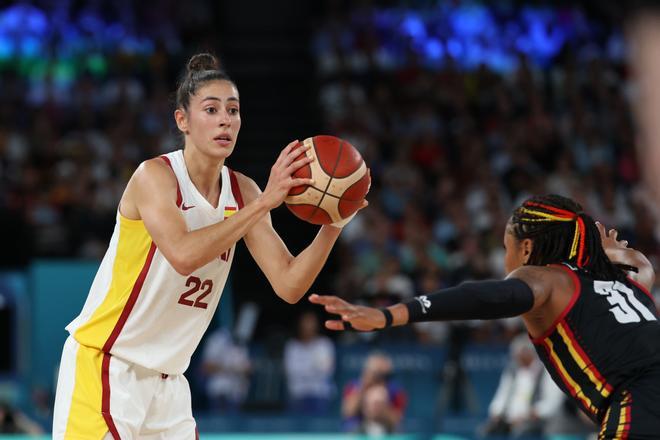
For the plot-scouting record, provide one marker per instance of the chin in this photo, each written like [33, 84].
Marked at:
[220, 152]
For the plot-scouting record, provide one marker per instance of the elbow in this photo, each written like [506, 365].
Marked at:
[183, 269]
[182, 265]
[290, 295]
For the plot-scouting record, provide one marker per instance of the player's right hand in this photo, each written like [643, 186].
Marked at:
[280, 180]
[359, 317]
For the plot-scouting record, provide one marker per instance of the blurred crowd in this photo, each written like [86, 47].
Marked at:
[453, 151]
[84, 98]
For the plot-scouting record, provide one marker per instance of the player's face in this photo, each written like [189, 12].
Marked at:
[516, 253]
[213, 119]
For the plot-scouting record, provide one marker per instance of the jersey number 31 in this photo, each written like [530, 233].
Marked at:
[627, 308]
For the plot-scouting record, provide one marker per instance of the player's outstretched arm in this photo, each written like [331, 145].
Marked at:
[151, 197]
[619, 253]
[526, 289]
[290, 276]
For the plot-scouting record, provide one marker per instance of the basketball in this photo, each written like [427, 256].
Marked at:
[341, 181]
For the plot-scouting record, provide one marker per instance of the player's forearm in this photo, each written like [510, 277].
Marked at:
[303, 269]
[628, 257]
[472, 300]
[197, 248]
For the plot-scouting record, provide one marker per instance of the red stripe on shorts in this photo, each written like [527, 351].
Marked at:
[105, 399]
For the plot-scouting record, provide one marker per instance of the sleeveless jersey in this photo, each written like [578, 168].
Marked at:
[607, 336]
[139, 308]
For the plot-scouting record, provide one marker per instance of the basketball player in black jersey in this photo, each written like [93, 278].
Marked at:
[584, 298]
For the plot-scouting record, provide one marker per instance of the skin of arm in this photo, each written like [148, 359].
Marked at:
[290, 276]
[543, 281]
[151, 196]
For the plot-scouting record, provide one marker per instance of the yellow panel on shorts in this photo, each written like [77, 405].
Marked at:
[130, 256]
[85, 420]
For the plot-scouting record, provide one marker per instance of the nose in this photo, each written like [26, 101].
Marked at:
[225, 118]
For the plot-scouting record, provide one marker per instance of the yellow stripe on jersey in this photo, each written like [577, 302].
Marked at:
[576, 389]
[131, 253]
[623, 425]
[85, 420]
[601, 435]
[583, 366]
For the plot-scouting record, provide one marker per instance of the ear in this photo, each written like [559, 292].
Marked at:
[527, 245]
[181, 118]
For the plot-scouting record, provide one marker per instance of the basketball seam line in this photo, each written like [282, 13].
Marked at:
[327, 194]
[341, 147]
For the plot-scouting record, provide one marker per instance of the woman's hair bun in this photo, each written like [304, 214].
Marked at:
[203, 61]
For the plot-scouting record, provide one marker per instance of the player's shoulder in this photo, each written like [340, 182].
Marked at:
[154, 170]
[249, 188]
[544, 278]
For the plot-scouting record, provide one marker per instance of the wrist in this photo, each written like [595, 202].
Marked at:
[262, 204]
[388, 319]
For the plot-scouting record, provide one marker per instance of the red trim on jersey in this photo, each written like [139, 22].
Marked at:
[642, 288]
[235, 189]
[576, 294]
[585, 358]
[132, 299]
[179, 197]
[196, 433]
[105, 397]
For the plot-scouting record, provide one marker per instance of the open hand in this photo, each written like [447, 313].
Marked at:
[610, 239]
[359, 317]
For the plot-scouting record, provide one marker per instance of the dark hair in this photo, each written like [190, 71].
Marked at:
[201, 68]
[563, 233]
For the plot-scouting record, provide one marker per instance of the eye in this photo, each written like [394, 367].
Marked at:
[233, 111]
[210, 110]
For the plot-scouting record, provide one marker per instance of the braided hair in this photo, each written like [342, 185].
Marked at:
[563, 233]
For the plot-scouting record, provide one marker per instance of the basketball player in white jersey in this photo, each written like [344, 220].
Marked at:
[121, 375]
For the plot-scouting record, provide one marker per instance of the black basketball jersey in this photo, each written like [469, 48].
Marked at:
[607, 336]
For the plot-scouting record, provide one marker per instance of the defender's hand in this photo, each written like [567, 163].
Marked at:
[359, 317]
[609, 239]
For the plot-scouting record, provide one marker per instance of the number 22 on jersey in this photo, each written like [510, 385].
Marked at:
[626, 307]
[195, 285]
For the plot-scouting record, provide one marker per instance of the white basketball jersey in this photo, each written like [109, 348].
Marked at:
[139, 308]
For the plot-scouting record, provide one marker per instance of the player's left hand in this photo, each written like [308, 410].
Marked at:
[358, 317]
[609, 239]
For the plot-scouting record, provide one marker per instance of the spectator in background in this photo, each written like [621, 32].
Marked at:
[309, 364]
[526, 396]
[374, 404]
[15, 422]
[226, 365]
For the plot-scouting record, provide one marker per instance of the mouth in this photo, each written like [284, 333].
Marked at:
[223, 140]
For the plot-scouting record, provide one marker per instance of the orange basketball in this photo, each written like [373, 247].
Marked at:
[341, 182]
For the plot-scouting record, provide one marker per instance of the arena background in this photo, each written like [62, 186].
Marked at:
[461, 110]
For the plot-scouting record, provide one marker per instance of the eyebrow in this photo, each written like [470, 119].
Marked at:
[214, 98]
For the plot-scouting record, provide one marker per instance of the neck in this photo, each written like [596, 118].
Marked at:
[204, 172]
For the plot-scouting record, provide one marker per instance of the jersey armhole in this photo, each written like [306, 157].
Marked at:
[577, 287]
[179, 197]
[235, 188]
